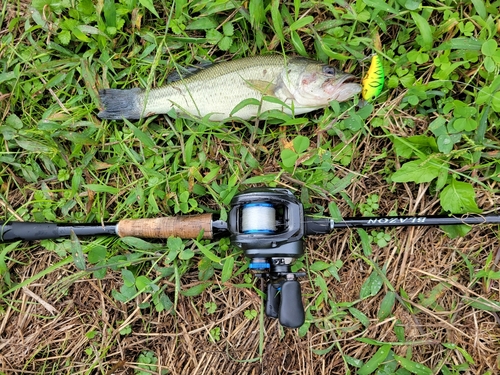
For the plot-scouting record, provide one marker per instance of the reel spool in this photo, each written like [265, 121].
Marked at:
[258, 218]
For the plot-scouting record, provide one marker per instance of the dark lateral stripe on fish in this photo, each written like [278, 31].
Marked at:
[120, 104]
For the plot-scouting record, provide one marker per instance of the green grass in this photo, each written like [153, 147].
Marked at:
[428, 144]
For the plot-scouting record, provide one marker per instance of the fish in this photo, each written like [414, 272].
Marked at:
[373, 81]
[237, 89]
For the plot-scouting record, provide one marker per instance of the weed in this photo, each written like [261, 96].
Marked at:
[380, 238]
[211, 307]
[214, 335]
[146, 363]
[251, 314]
[371, 205]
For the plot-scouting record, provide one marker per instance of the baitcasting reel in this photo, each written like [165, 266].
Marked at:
[268, 225]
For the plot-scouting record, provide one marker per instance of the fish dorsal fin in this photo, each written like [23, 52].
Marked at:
[182, 72]
[264, 87]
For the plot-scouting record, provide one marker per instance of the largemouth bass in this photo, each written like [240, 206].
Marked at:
[292, 85]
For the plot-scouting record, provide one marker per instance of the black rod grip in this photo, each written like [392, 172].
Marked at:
[27, 231]
[15, 231]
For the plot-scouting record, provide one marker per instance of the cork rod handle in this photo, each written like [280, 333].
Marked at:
[176, 226]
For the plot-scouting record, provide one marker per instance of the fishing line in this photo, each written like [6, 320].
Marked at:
[258, 218]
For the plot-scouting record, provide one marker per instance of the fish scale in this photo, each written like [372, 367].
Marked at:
[298, 84]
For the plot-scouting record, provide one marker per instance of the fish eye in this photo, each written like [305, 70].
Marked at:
[329, 70]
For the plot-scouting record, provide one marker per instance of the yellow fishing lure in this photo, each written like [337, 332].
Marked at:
[373, 81]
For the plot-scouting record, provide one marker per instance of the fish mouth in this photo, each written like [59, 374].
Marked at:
[343, 87]
[347, 78]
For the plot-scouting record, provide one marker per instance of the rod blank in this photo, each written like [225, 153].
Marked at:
[409, 221]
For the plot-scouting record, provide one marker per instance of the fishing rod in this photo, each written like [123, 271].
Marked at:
[268, 224]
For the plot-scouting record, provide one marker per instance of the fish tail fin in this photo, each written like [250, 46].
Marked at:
[120, 104]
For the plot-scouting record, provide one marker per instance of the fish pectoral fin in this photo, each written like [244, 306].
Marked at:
[264, 87]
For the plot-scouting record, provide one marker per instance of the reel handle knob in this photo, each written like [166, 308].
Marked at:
[291, 310]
